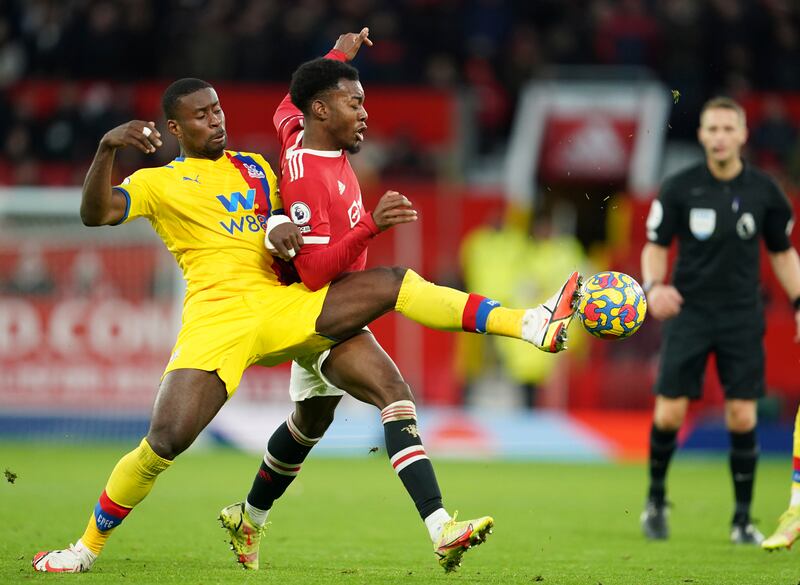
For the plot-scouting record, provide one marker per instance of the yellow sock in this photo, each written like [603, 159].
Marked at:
[440, 307]
[132, 479]
[506, 322]
[795, 499]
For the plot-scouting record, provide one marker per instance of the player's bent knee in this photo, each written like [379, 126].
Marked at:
[741, 427]
[398, 273]
[669, 413]
[167, 445]
[316, 428]
[668, 425]
[394, 392]
[314, 420]
[741, 416]
[669, 419]
[742, 423]
[389, 277]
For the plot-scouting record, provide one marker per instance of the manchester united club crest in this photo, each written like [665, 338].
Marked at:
[411, 430]
[355, 213]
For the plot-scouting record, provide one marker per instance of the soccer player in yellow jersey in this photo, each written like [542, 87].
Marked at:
[788, 529]
[241, 307]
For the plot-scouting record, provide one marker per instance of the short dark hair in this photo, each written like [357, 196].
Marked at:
[178, 89]
[724, 103]
[317, 76]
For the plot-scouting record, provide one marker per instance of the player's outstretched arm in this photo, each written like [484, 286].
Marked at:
[100, 204]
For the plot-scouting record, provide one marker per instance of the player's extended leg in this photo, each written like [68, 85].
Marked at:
[286, 450]
[186, 402]
[789, 523]
[364, 370]
[668, 416]
[740, 418]
[358, 298]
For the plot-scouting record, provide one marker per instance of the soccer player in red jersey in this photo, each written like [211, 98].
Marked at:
[240, 311]
[321, 120]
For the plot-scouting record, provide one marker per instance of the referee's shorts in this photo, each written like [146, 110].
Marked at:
[734, 334]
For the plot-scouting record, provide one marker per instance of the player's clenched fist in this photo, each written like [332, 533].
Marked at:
[142, 135]
[285, 239]
[393, 209]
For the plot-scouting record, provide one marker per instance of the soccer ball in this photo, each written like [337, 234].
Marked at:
[613, 305]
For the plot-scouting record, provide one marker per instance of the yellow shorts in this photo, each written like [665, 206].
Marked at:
[268, 327]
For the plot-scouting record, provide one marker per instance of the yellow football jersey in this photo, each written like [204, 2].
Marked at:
[211, 215]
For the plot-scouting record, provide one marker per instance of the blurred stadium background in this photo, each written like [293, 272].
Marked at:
[532, 136]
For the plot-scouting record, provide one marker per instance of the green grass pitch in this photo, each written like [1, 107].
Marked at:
[350, 522]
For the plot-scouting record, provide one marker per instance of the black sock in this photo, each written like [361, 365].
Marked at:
[407, 455]
[744, 455]
[662, 446]
[286, 450]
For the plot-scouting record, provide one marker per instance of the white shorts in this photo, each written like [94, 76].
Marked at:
[308, 381]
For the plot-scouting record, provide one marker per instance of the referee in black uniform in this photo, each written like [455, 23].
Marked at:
[718, 210]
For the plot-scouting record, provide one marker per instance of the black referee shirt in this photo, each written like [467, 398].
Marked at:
[718, 225]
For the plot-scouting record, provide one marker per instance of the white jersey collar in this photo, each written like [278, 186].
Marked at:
[325, 153]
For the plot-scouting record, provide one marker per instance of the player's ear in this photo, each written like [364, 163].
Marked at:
[174, 129]
[320, 110]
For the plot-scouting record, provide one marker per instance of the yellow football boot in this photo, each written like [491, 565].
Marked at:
[787, 531]
[457, 537]
[245, 536]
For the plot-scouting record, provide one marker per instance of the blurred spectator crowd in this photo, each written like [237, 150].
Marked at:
[491, 47]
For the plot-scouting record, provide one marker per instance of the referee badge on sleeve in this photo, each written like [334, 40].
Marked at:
[654, 219]
[702, 223]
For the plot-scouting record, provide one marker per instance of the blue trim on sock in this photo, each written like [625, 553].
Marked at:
[486, 307]
[104, 520]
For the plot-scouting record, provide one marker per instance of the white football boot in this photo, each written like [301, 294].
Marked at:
[545, 326]
[75, 559]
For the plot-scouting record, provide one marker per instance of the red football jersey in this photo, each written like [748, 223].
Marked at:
[322, 197]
